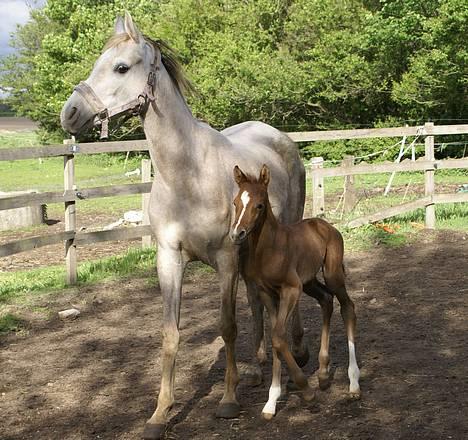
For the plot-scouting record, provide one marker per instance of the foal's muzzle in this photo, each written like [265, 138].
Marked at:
[239, 236]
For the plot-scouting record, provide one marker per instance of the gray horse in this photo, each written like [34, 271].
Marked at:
[191, 200]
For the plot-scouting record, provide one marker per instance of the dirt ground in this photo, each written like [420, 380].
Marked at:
[97, 377]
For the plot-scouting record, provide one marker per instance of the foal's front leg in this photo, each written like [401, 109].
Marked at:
[171, 265]
[269, 410]
[289, 296]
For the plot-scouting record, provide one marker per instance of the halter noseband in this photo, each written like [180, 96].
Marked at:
[135, 107]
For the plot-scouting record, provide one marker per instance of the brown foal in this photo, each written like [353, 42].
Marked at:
[284, 260]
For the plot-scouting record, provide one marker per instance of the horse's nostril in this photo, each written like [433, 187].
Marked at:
[242, 235]
[72, 112]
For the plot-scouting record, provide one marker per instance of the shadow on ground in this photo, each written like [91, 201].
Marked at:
[97, 377]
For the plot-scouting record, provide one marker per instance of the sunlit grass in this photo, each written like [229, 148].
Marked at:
[134, 262]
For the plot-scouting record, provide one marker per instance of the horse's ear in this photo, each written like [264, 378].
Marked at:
[264, 175]
[119, 27]
[131, 28]
[239, 176]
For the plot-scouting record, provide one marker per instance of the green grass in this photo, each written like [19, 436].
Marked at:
[47, 174]
[21, 284]
[10, 323]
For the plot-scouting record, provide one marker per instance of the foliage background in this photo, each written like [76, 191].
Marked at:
[296, 64]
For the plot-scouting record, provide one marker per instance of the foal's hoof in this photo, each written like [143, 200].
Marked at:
[302, 358]
[354, 395]
[154, 431]
[324, 382]
[229, 410]
[267, 416]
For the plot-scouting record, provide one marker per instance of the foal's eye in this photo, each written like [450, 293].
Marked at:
[259, 206]
[122, 68]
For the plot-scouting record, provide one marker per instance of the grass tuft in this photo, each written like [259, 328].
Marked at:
[10, 323]
[18, 284]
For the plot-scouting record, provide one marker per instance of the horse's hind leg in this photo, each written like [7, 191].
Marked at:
[325, 300]
[334, 279]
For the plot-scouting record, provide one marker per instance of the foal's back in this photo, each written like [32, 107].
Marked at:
[315, 243]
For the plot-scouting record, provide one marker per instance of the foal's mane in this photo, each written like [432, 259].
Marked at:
[169, 58]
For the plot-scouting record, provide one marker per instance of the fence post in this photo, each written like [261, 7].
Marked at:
[429, 176]
[318, 191]
[70, 216]
[145, 177]
[349, 197]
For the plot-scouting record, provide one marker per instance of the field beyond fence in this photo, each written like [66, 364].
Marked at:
[318, 177]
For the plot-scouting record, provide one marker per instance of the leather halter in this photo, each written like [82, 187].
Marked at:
[135, 107]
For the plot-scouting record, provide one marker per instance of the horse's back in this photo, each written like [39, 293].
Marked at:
[254, 136]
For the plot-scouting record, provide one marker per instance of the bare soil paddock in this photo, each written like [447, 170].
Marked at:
[97, 377]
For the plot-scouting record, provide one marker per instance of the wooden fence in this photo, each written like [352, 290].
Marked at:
[428, 164]
[71, 194]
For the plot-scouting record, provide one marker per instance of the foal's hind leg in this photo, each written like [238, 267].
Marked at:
[314, 289]
[334, 280]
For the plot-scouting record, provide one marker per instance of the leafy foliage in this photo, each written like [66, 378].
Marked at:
[293, 63]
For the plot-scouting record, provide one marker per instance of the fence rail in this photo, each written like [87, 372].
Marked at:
[70, 195]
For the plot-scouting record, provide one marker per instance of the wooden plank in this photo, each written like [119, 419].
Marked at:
[75, 148]
[28, 244]
[389, 212]
[389, 167]
[70, 221]
[73, 195]
[407, 207]
[82, 238]
[429, 178]
[450, 198]
[145, 177]
[363, 133]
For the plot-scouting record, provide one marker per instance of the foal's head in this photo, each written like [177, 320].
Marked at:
[251, 202]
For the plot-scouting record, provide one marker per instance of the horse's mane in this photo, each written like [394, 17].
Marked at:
[169, 58]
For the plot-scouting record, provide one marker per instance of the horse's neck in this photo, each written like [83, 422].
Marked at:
[173, 133]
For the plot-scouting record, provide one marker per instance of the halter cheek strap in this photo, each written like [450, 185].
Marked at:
[135, 107]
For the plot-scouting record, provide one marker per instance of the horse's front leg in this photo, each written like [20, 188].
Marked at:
[171, 265]
[227, 265]
[258, 332]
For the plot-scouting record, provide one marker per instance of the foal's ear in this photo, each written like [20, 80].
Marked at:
[131, 28]
[119, 26]
[239, 176]
[264, 175]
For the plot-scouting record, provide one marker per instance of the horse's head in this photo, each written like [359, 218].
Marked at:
[250, 203]
[121, 81]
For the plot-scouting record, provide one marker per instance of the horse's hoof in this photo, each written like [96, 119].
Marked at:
[267, 416]
[324, 382]
[229, 410]
[154, 431]
[302, 358]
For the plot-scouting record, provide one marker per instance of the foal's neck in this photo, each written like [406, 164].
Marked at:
[265, 231]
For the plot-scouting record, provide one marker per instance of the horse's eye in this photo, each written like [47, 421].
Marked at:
[122, 68]
[259, 206]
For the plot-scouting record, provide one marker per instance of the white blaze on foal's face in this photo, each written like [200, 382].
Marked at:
[245, 198]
